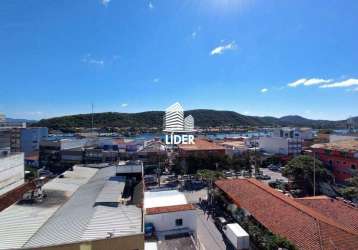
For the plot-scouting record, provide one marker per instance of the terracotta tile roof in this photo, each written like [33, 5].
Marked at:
[337, 210]
[169, 209]
[237, 144]
[200, 145]
[344, 145]
[305, 227]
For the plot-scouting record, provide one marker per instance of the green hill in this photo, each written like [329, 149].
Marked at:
[203, 118]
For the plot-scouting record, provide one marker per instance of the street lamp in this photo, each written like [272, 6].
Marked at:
[314, 173]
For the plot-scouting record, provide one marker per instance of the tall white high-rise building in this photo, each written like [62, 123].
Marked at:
[189, 123]
[174, 118]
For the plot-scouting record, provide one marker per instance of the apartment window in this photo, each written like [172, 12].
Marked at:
[179, 222]
[354, 166]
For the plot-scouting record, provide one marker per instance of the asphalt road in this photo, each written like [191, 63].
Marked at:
[273, 174]
[209, 236]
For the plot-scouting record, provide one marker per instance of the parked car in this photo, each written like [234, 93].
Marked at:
[194, 185]
[273, 167]
[266, 177]
[246, 174]
[238, 173]
[227, 174]
[220, 222]
[150, 180]
[263, 177]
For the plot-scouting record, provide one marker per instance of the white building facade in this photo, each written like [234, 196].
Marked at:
[169, 212]
[11, 172]
[294, 133]
[280, 145]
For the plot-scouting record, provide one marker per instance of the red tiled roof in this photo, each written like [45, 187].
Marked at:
[350, 145]
[305, 227]
[200, 145]
[169, 209]
[335, 209]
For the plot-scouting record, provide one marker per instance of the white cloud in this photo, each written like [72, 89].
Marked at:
[150, 5]
[220, 49]
[94, 61]
[342, 84]
[264, 90]
[308, 82]
[297, 82]
[246, 112]
[316, 81]
[195, 32]
[156, 80]
[123, 105]
[105, 2]
[90, 60]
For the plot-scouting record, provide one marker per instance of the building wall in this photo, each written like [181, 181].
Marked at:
[15, 145]
[11, 172]
[280, 145]
[342, 165]
[197, 153]
[30, 139]
[166, 221]
[131, 242]
[294, 133]
[4, 138]
[274, 145]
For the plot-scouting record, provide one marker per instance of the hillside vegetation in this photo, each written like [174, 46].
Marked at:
[203, 118]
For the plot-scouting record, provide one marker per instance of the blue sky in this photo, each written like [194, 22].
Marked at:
[268, 57]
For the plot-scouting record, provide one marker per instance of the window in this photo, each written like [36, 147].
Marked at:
[178, 222]
[354, 166]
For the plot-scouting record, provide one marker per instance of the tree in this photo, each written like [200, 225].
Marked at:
[275, 160]
[209, 175]
[300, 171]
[351, 191]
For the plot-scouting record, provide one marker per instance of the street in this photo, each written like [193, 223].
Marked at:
[209, 236]
[273, 174]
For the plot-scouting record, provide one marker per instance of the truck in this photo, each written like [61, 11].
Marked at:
[237, 236]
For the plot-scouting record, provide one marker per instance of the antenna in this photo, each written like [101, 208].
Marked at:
[92, 125]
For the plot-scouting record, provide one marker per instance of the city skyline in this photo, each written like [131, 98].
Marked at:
[255, 58]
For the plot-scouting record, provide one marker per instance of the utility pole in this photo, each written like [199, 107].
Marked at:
[92, 125]
[314, 173]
